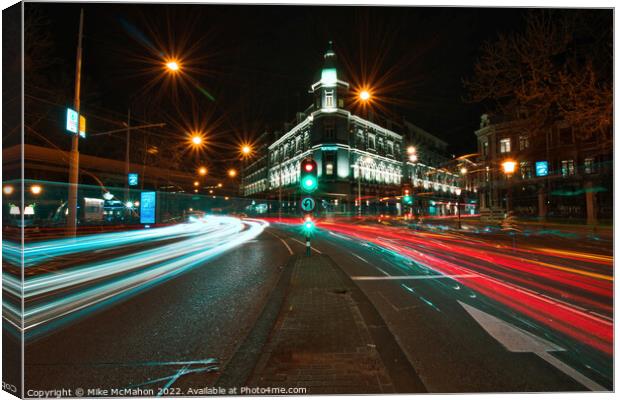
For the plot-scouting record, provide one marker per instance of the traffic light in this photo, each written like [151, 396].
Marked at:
[308, 177]
[407, 199]
[308, 225]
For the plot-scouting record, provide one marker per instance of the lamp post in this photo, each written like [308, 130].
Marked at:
[74, 157]
[458, 208]
[509, 168]
[246, 151]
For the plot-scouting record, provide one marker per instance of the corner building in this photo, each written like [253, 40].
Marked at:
[360, 163]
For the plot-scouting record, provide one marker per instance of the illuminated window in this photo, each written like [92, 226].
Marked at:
[371, 142]
[380, 145]
[390, 147]
[568, 167]
[588, 164]
[329, 99]
[360, 139]
[329, 169]
[526, 169]
[504, 145]
[329, 76]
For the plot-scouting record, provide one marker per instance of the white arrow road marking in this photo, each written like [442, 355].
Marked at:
[517, 340]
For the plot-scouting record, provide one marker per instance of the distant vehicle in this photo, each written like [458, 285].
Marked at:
[194, 215]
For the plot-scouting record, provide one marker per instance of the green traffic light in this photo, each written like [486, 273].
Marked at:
[407, 199]
[308, 228]
[309, 183]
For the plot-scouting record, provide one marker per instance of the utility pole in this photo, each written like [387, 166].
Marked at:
[74, 157]
[127, 144]
[359, 190]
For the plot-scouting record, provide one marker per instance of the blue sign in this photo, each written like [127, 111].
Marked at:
[132, 178]
[542, 168]
[308, 204]
[72, 120]
[147, 207]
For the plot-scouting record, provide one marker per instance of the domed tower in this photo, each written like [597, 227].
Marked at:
[330, 90]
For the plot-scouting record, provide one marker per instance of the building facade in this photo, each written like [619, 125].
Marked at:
[362, 165]
[562, 173]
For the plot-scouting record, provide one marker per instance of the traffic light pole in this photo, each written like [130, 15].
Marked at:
[74, 156]
[308, 246]
[308, 179]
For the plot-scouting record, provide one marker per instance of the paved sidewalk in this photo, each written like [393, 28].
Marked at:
[320, 341]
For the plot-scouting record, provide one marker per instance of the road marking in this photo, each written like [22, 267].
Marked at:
[361, 258]
[282, 240]
[409, 277]
[517, 340]
[303, 244]
[602, 316]
[564, 302]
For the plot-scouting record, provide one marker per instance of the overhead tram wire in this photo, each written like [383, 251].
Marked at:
[107, 119]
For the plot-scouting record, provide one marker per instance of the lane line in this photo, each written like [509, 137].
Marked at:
[303, 244]
[283, 241]
[602, 316]
[361, 258]
[410, 277]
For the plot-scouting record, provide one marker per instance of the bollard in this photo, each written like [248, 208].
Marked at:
[308, 248]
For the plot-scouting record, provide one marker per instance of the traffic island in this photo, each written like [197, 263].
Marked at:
[328, 339]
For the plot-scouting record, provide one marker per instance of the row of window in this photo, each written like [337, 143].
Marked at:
[567, 168]
[421, 173]
[255, 187]
[505, 145]
[379, 144]
[290, 148]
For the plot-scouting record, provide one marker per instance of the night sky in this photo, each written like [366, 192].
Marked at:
[247, 68]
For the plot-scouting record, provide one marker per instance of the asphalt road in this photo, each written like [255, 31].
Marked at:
[439, 321]
[192, 322]
[457, 332]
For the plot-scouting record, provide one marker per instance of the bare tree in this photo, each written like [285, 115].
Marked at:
[557, 68]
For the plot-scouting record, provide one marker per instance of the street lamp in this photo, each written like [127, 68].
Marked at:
[458, 207]
[246, 150]
[196, 183]
[196, 140]
[219, 185]
[411, 150]
[35, 189]
[8, 190]
[463, 171]
[172, 66]
[232, 172]
[364, 95]
[202, 171]
[509, 168]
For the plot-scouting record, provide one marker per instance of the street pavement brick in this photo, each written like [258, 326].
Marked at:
[320, 340]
